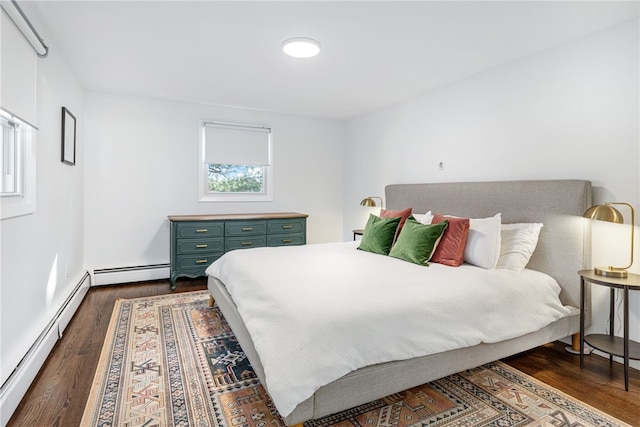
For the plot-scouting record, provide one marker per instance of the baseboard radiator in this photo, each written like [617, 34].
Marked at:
[138, 273]
[16, 386]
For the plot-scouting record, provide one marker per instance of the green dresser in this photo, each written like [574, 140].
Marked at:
[198, 240]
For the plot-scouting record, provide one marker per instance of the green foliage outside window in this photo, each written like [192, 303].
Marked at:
[235, 178]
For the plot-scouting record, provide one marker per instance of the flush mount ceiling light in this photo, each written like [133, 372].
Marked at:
[301, 47]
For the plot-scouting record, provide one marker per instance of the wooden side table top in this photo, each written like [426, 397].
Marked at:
[632, 280]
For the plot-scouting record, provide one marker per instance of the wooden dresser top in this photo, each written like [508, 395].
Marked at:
[214, 217]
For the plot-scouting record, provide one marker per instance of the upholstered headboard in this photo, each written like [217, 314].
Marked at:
[564, 243]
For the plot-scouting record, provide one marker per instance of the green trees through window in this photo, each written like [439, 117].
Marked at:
[236, 178]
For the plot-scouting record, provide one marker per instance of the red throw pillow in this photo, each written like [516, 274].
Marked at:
[402, 213]
[450, 250]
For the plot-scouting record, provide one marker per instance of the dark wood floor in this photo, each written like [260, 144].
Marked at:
[58, 395]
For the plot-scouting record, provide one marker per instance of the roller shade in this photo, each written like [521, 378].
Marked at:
[19, 71]
[236, 144]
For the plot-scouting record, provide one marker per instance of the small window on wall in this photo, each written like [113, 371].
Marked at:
[236, 162]
[17, 167]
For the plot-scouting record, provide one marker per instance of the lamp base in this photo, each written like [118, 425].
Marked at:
[611, 272]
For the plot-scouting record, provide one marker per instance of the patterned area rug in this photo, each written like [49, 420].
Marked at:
[173, 361]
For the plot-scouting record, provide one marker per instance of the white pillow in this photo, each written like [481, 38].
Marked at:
[517, 245]
[423, 218]
[483, 240]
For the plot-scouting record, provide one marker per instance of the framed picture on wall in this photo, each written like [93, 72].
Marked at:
[68, 137]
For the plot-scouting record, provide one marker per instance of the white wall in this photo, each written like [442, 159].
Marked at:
[142, 165]
[568, 112]
[38, 248]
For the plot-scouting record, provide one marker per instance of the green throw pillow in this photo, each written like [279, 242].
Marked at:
[417, 242]
[378, 234]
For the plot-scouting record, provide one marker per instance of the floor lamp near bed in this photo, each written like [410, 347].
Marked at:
[606, 212]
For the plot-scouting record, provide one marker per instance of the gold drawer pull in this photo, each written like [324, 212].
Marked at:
[286, 240]
[287, 226]
[201, 230]
[202, 246]
[201, 261]
[247, 243]
[247, 228]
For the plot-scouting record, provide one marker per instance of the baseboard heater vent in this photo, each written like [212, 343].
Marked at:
[138, 273]
[17, 384]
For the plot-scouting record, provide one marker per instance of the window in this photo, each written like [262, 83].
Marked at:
[17, 167]
[236, 161]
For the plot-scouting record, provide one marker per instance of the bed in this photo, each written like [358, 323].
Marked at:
[563, 248]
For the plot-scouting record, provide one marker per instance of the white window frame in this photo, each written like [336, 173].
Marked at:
[23, 200]
[204, 195]
[10, 158]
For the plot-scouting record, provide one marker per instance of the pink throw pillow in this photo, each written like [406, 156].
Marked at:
[450, 250]
[402, 213]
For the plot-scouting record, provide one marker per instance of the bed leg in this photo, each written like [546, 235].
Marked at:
[575, 342]
[211, 301]
[575, 345]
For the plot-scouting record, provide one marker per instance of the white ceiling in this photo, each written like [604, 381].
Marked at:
[373, 53]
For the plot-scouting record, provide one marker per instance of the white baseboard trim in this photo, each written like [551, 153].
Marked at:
[16, 386]
[140, 273]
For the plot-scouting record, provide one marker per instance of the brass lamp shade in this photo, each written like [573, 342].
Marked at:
[604, 213]
[608, 213]
[369, 202]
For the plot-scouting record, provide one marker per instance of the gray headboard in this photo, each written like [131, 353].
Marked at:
[564, 244]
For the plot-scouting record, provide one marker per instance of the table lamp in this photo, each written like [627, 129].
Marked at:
[369, 202]
[607, 212]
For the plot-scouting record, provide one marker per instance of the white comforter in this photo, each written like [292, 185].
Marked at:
[318, 312]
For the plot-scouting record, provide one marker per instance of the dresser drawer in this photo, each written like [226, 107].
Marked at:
[245, 242]
[245, 228]
[286, 239]
[290, 225]
[199, 229]
[196, 271]
[201, 245]
[197, 261]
